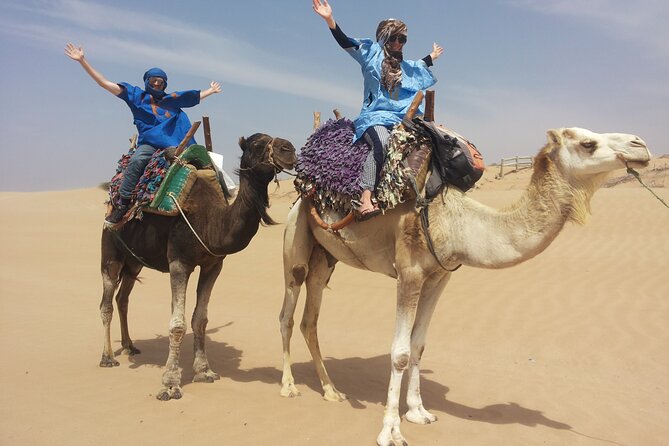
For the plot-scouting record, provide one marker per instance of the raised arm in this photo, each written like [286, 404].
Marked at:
[214, 88]
[324, 10]
[77, 53]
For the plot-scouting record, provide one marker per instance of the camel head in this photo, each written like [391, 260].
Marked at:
[576, 162]
[584, 155]
[265, 155]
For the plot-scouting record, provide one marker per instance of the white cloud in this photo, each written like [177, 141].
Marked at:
[126, 37]
[642, 22]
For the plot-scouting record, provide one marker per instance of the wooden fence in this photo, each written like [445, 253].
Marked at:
[514, 163]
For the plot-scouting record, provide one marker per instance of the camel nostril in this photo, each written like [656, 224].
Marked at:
[638, 142]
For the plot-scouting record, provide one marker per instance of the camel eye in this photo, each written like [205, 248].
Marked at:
[589, 144]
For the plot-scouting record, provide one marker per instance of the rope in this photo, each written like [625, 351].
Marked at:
[426, 228]
[171, 195]
[127, 248]
[638, 177]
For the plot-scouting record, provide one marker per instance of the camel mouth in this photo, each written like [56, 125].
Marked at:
[281, 165]
[637, 163]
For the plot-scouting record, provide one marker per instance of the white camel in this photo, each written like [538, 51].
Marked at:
[567, 171]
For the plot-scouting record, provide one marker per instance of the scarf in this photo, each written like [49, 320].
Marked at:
[155, 72]
[391, 71]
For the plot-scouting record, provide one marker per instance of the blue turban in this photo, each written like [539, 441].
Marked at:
[155, 72]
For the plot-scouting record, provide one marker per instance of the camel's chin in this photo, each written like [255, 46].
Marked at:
[637, 163]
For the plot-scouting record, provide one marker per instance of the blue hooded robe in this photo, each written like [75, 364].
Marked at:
[158, 116]
[379, 106]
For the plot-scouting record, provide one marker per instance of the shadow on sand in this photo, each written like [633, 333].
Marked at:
[364, 380]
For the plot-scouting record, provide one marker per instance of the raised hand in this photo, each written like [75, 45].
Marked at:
[323, 9]
[436, 51]
[215, 87]
[74, 52]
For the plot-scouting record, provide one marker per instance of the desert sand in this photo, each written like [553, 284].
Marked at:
[570, 348]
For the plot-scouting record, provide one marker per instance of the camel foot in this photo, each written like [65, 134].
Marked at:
[332, 394]
[108, 361]
[208, 376]
[420, 416]
[131, 350]
[391, 437]
[169, 393]
[289, 391]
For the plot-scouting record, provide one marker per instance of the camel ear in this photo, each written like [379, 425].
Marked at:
[553, 136]
[242, 143]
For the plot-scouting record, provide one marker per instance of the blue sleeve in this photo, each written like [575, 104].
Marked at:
[181, 99]
[129, 93]
[363, 50]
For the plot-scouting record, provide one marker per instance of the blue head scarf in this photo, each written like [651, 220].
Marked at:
[155, 72]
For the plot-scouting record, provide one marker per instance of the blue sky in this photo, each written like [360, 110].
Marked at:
[511, 70]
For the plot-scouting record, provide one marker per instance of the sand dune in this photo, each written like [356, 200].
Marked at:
[570, 348]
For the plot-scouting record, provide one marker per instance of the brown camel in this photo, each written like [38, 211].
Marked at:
[568, 170]
[169, 245]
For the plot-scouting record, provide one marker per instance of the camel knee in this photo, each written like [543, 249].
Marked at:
[400, 360]
[177, 331]
[299, 274]
[106, 314]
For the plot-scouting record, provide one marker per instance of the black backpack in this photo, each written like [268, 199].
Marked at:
[455, 160]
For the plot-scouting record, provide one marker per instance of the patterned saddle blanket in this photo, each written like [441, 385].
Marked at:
[329, 167]
[162, 180]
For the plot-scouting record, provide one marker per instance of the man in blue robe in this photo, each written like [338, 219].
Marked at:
[157, 115]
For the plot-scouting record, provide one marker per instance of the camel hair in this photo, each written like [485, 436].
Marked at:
[169, 245]
[567, 171]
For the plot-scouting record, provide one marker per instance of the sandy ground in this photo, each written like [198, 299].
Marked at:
[570, 348]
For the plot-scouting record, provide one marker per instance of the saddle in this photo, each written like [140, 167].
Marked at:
[421, 159]
[167, 180]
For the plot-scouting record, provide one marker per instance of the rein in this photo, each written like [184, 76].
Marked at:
[171, 195]
[638, 177]
[425, 223]
[127, 248]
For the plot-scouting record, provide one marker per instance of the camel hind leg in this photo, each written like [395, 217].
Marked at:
[321, 266]
[111, 272]
[128, 279]
[297, 246]
[111, 268]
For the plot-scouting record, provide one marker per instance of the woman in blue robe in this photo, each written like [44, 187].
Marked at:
[157, 115]
[390, 84]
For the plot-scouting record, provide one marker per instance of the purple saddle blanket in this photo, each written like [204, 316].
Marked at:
[331, 164]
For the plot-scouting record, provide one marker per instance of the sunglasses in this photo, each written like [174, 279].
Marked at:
[398, 38]
[156, 80]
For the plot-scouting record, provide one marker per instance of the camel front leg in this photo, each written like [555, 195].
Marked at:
[409, 284]
[110, 278]
[297, 246]
[320, 270]
[129, 277]
[205, 285]
[432, 290]
[179, 274]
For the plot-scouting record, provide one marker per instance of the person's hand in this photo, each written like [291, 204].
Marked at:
[74, 52]
[436, 51]
[323, 9]
[215, 87]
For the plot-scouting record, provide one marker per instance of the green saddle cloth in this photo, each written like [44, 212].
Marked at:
[179, 180]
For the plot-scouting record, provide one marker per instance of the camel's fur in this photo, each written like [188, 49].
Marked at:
[168, 244]
[567, 172]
